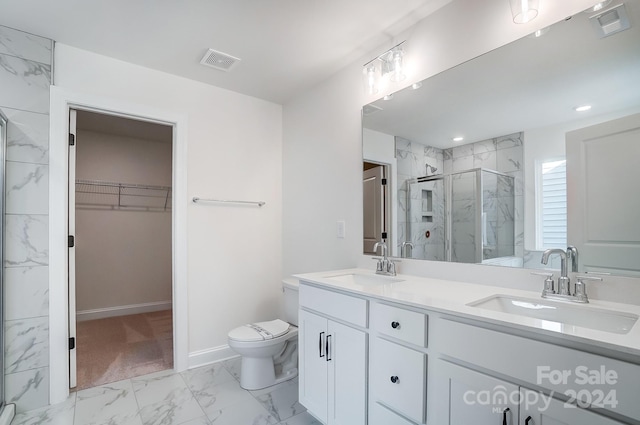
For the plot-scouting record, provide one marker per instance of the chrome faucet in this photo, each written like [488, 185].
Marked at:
[385, 266]
[563, 279]
[564, 290]
[403, 249]
[572, 258]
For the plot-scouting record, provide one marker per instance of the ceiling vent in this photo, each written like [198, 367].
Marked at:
[611, 21]
[219, 60]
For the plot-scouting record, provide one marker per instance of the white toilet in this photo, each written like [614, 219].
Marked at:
[269, 350]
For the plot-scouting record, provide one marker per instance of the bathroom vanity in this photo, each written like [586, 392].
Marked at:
[409, 350]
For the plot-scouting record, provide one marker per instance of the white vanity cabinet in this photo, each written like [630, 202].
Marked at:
[397, 366]
[466, 397]
[552, 411]
[332, 356]
[491, 362]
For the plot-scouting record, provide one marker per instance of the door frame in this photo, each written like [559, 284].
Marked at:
[61, 101]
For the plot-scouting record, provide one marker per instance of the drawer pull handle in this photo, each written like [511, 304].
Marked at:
[504, 416]
[395, 325]
[526, 421]
[395, 379]
[320, 344]
[328, 349]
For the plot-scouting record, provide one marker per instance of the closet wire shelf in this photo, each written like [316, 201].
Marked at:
[112, 195]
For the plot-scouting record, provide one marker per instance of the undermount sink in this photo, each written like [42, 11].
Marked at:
[560, 313]
[363, 279]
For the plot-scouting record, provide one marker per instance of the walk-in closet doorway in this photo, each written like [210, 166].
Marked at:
[120, 248]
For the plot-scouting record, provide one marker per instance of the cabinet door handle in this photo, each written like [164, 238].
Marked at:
[504, 416]
[320, 344]
[395, 379]
[328, 349]
[526, 421]
[395, 325]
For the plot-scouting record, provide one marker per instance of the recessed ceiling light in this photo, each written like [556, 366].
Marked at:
[598, 6]
[458, 139]
[583, 108]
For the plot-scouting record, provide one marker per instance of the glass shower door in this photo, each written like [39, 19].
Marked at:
[3, 138]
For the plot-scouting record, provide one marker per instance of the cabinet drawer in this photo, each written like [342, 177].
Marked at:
[343, 307]
[406, 325]
[380, 415]
[398, 378]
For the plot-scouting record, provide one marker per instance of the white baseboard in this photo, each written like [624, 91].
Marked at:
[210, 355]
[123, 310]
[8, 413]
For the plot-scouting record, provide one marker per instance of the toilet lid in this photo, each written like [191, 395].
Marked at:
[260, 331]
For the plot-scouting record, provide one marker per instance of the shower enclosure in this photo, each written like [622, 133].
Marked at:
[464, 217]
[3, 133]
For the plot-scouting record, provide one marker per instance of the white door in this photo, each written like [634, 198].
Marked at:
[603, 200]
[72, 250]
[536, 409]
[347, 375]
[374, 213]
[313, 364]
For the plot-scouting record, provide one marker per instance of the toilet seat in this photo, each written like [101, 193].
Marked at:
[260, 331]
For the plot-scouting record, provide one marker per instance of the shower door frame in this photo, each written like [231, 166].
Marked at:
[3, 151]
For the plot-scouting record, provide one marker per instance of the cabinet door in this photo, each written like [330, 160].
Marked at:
[538, 409]
[467, 397]
[347, 375]
[312, 333]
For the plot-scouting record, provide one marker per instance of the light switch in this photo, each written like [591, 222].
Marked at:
[341, 229]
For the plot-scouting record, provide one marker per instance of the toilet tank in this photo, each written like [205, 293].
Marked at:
[290, 290]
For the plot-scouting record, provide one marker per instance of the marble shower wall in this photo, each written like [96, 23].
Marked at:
[504, 154]
[25, 77]
[412, 159]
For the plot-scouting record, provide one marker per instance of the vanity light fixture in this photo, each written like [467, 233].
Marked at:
[524, 11]
[582, 108]
[389, 63]
[370, 79]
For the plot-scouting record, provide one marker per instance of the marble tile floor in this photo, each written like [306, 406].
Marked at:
[209, 395]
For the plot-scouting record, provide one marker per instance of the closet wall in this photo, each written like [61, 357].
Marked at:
[123, 255]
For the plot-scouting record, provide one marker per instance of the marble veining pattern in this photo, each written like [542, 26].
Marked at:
[27, 136]
[26, 344]
[27, 188]
[154, 399]
[26, 240]
[24, 84]
[25, 45]
[26, 283]
[28, 390]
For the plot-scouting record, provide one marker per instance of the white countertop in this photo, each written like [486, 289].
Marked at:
[452, 297]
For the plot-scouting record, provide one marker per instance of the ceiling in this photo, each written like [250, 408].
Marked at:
[530, 83]
[285, 46]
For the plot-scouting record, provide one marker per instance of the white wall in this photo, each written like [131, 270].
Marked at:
[234, 152]
[123, 256]
[322, 134]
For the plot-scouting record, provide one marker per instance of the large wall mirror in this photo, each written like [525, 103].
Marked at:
[533, 146]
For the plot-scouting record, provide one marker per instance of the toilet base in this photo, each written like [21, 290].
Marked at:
[259, 373]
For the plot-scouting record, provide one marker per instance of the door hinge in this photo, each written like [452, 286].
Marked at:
[384, 182]
[72, 139]
[72, 241]
[72, 343]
